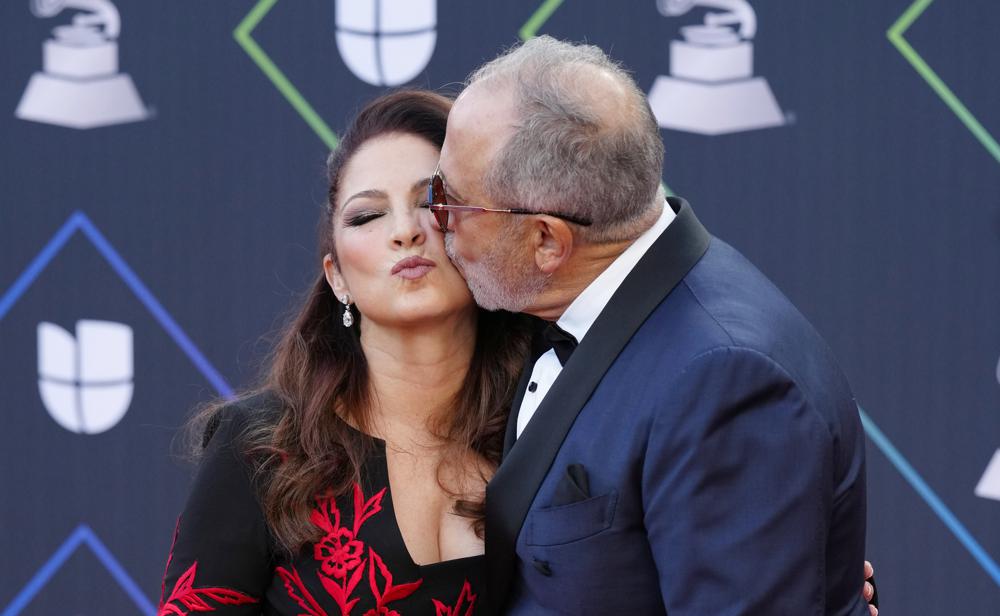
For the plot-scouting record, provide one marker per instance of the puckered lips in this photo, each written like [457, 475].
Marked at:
[412, 268]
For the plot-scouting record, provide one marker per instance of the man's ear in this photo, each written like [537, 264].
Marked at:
[334, 278]
[553, 243]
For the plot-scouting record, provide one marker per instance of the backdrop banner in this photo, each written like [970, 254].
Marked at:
[162, 173]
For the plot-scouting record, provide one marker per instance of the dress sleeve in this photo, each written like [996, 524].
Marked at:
[221, 559]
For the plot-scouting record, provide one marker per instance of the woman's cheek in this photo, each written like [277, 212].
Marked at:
[458, 290]
[361, 251]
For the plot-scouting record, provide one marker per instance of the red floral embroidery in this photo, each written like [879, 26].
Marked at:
[342, 562]
[170, 557]
[464, 607]
[298, 592]
[340, 553]
[389, 593]
[196, 599]
[383, 596]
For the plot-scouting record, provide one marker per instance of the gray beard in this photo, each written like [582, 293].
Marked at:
[498, 281]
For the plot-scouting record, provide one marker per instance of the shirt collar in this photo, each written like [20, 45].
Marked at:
[585, 309]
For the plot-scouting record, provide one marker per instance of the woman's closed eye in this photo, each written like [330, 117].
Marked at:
[356, 219]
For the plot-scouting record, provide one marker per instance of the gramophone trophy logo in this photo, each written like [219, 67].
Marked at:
[80, 86]
[711, 89]
[989, 483]
[386, 42]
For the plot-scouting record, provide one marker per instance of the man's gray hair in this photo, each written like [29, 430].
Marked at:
[583, 145]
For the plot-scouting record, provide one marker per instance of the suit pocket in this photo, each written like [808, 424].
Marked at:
[574, 486]
[568, 523]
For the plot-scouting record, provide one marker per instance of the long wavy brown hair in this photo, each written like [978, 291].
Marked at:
[318, 379]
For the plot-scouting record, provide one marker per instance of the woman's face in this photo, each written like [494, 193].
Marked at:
[390, 256]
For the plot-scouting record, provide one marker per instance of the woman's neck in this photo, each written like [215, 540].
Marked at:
[415, 373]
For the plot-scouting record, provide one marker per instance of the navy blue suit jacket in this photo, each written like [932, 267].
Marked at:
[700, 454]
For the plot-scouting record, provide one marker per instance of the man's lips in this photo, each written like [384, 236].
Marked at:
[412, 268]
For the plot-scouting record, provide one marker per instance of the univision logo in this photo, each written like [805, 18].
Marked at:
[386, 42]
[86, 382]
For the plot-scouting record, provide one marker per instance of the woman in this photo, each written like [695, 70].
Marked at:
[352, 482]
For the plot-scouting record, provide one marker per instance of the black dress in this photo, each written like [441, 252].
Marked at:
[224, 560]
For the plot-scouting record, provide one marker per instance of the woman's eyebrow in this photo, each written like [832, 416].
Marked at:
[371, 193]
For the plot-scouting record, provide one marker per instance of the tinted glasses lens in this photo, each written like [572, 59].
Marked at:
[436, 190]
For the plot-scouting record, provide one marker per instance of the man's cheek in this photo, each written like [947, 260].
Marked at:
[455, 248]
[449, 246]
[449, 249]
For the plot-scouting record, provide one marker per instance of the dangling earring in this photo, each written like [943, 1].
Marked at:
[348, 315]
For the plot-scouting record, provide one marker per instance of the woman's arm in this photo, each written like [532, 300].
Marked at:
[221, 554]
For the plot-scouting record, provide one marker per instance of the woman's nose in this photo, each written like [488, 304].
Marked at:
[408, 230]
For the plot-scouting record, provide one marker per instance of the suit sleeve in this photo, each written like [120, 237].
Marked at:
[737, 490]
[221, 556]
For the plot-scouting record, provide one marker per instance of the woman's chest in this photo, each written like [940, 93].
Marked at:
[426, 501]
[361, 565]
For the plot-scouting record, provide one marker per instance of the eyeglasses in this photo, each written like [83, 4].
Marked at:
[437, 203]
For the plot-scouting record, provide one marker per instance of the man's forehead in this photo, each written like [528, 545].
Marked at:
[479, 124]
[483, 111]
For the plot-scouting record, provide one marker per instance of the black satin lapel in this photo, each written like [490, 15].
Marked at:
[511, 492]
[511, 434]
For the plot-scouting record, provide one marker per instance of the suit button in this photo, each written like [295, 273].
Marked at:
[542, 567]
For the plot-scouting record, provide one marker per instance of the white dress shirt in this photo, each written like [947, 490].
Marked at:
[582, 313]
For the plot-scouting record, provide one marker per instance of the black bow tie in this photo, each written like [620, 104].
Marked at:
[551, 336]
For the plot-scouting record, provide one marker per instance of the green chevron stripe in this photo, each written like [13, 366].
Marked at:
[269, 68]
[895, 34]
[538, 18]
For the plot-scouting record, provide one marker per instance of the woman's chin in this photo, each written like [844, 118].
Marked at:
[425, 314]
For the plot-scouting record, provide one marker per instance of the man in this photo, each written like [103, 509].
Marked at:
[684, 443]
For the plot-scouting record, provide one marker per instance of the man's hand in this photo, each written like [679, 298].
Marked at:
[868, 590]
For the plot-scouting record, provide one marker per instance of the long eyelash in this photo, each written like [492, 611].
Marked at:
[361, 218]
